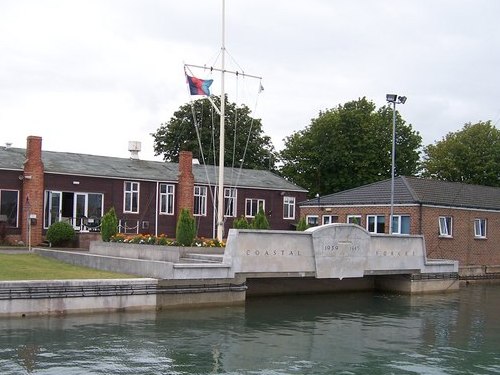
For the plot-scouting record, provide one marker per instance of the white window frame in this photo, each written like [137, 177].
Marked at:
[351, 217]
[254, 204]
[445, 226]
[327, 219]
[230, 202]
[376, 223]
[288, 207]
[312, 220]
[167, 199]
[128, 197]
[480, 227]
[200, 201]
[17, 206]
[396, 224]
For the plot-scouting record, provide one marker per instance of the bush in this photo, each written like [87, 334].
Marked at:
[109, 225]
[260, 220]
[60, 233]
[186, 228]
[302, 225]
[241, 223]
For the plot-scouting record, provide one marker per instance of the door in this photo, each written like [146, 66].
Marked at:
[53, 207]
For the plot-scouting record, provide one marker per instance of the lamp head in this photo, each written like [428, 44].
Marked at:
[391, 98]
[402, 99]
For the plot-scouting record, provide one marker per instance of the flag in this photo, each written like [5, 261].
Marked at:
[199, 86]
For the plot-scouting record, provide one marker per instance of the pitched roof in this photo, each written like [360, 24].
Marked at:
[413, 190]
[123, 168]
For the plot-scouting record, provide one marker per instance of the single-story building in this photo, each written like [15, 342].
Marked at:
[147, 196]
[458, 221]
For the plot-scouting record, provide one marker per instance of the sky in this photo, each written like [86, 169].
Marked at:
[89, 76]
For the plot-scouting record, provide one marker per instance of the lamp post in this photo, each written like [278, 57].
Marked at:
[394, 99]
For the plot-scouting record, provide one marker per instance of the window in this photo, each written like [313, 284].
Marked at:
[375, 223]
[200, 200]
[166, 199]
[312, 220]
[252, 206]
[329, 219]
[480, 228]
[401, 224]
[230, 202]
[288, 207]
[445, 226]
[131, 198]
[354, 219]
[9, 206]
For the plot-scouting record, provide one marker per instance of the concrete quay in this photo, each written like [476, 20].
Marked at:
[324, 259]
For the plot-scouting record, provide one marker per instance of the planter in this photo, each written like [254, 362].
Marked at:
[149, 252]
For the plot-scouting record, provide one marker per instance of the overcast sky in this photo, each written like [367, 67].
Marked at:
[90, 75]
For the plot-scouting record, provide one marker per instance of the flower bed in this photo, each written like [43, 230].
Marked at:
[162, 240]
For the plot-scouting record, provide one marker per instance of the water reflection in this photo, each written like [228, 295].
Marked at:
[322, 334]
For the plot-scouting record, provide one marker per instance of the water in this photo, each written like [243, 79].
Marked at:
[360, 333]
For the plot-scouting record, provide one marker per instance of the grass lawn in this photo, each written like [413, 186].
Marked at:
[36, 267]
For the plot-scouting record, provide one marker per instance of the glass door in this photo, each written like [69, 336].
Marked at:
[53, 206]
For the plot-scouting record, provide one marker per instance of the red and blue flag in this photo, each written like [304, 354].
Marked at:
[199, 86]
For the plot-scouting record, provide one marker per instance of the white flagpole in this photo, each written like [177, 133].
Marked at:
[220, 195]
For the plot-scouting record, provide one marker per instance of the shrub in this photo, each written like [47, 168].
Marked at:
[186, 228]
[260, 220]
[59, 233]
[302, 225]
[241, 223]
[109, 225]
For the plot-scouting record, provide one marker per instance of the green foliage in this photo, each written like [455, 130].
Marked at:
[179, 134]
[471, 155]
[349, 146]
[109, 225]
[186, 228]
[241, 223]
[60, 233]
[260, 220]
[302, 225]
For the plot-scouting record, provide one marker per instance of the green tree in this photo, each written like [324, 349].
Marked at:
[186, 228]
[179, 134]
[471, 155]
[260, 220]
[109, 225]
[349, 146]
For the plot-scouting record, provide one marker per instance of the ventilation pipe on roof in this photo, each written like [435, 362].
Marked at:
[134, 147]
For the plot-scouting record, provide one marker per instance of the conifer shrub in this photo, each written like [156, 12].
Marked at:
[109, 225]
[241, 223]
[260, 221]
[302, 225]
[60, 233]
[186, 228]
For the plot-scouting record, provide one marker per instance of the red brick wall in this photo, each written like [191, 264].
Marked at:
[462, 246]
[33, 186]
[185, 191]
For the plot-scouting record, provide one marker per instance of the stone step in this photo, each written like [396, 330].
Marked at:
[202, 258]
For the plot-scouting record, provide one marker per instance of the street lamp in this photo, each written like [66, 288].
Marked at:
[394, 99]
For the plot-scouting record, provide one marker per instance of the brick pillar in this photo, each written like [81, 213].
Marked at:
[186, 182]
[32, 194]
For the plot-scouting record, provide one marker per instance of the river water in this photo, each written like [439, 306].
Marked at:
[357, 333]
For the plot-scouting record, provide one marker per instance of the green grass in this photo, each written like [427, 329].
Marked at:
[36, 267]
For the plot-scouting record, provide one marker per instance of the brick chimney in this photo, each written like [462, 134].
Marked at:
[186, 182]
[32, 195]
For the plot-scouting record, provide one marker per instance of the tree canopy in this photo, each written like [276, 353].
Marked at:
[179, 134]
[471, 155]
[349, 146]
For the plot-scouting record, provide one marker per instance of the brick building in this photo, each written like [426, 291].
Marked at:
[147, 195]
[458, 221]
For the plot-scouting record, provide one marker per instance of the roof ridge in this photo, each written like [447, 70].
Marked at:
[413, 193]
